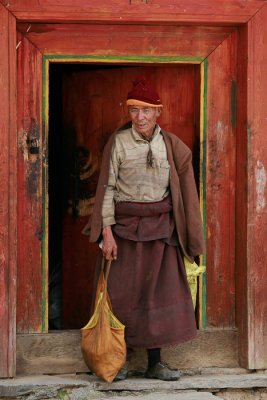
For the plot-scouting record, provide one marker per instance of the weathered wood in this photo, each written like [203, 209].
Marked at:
[200, 12]
[220, 184]
[185, 41]
[251, 286]
[31, 279]
[8, 189]
[60, 352]
[241, 198]
[252, 306]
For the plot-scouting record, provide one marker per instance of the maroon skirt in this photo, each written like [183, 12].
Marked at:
[147, 283]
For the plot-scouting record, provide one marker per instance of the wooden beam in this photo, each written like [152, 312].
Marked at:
[8, 194]
[124, 11]
[77, 39]
[60, 352]
[241, 198]
[251, 250]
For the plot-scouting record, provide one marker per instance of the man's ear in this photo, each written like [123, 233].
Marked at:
[159, 109]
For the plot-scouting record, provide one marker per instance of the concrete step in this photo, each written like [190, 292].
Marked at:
[197, 382]
[80, 387]
[166, 396]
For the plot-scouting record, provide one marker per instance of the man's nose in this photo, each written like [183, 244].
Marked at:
[140, 114]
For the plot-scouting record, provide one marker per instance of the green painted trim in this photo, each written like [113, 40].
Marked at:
[45, 80]
[152, 59]
[204, 210]
[44, 198]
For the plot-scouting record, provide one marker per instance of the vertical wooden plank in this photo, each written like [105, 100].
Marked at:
[241, 195]
[30, 229]
[252, 305]
[8, 200]
[220, 184]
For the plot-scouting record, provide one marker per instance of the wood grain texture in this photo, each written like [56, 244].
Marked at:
[8, 190]
[241, 199]
[30, 229]
[220, 185]
[200, 12]
[137, 40]
[55, 353]
[252, 132]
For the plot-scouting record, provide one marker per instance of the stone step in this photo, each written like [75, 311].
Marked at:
[167, 396]
[211, 382]
[36, 387]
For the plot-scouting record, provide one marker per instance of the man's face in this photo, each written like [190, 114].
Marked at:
[144, 119]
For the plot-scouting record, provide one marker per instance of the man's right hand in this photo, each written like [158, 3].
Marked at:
[109, 247]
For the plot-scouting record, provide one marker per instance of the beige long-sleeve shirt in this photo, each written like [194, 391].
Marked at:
[130, 178]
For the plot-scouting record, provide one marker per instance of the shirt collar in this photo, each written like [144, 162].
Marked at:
[138, 137]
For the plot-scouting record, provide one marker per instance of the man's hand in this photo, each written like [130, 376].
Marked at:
[109, 245]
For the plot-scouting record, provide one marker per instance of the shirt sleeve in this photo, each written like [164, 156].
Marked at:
[108, 207]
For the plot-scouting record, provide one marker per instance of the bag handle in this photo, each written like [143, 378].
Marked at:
[102, 282]
[105, 270]
[105, 267]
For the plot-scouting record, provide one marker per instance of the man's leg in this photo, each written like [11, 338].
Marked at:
[158, 370]
[153, 357]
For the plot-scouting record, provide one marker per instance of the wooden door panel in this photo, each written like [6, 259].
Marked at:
[31, 280]
[220, 184]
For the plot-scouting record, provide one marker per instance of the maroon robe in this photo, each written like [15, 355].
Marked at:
[147, 283]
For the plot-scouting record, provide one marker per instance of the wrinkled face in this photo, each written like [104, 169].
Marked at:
[144, 119]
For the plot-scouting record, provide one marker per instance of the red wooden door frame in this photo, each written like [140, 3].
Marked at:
[8, 194]
[251, 125]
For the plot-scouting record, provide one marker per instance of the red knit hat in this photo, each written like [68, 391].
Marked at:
[142, 94]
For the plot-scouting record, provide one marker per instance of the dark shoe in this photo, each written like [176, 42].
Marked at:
[123, 373]
[162, 372]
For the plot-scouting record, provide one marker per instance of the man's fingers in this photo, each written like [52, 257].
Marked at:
[115, 252]
[108, 253]
[111, 254]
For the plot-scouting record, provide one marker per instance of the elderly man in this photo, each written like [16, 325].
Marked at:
[147, 213]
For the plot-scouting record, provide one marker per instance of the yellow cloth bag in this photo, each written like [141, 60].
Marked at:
[192, 272]
[103, 344]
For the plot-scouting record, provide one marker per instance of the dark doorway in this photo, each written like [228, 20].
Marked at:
[86, 104]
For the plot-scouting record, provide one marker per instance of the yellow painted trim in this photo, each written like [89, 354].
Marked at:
[45, 265]
[202, 183]
[45, 118]
[118, 61]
